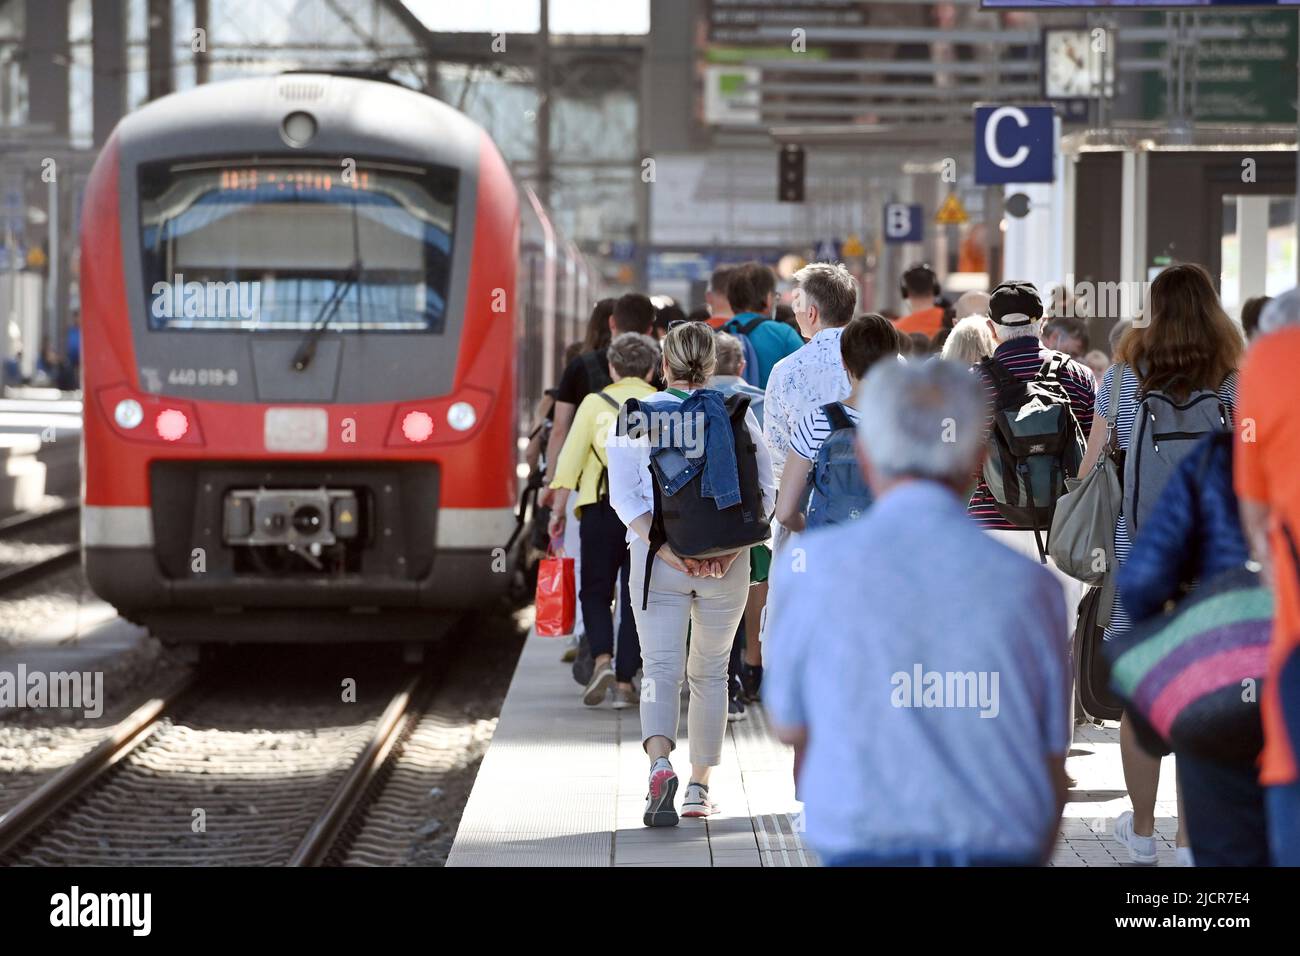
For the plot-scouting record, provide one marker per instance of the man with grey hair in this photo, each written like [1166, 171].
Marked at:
[825, 297]
[1280, 312]
[930, 722]
[824, 300]
[728, 375]
[970, 303]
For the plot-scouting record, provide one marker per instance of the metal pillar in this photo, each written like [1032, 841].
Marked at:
[108, 47]
[53, 300]
[544, 103]
[161, 81]
[1252, 245]
[202, 58]
[46, 47]
[1133, 224]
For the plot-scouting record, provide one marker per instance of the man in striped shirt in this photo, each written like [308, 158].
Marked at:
[1015, 316]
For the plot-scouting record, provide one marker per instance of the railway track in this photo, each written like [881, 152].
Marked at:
[191, 777]
[35, 545]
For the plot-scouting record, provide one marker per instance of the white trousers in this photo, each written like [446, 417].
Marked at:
[712, 607]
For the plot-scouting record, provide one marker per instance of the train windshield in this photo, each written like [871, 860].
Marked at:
[271, 246]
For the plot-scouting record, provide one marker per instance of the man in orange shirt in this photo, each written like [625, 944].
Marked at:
[921, 290]
[1268, 483]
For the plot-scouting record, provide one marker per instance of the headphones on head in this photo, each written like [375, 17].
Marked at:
[920, 269]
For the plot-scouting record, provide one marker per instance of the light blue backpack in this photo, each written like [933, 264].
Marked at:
[839, 492]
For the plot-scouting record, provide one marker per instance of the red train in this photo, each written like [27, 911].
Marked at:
[312, 341]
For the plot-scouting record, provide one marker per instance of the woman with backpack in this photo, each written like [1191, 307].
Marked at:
[633, 358]
[1177, 370]
[671, 595]
[818, 468]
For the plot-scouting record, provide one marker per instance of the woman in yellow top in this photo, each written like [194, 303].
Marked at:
[603, 561]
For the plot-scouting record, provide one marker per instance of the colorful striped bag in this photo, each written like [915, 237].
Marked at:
[1195, 673]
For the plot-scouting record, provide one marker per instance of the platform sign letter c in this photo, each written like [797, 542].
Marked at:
[991, 137]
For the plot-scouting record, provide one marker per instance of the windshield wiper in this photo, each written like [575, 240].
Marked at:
[329, 308]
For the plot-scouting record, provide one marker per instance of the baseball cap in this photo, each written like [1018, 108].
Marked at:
[1015, 303]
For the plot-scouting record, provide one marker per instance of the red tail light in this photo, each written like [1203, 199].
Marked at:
[417, 426]
[171, 424]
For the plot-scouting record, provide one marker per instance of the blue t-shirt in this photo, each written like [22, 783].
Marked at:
[927, 664]
[772, 341]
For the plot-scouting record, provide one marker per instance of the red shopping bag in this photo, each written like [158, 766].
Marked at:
[556, 596]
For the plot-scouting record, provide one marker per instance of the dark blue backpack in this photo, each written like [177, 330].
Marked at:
[839, 491]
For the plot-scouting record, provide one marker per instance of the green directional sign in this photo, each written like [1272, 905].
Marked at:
[1248, 80]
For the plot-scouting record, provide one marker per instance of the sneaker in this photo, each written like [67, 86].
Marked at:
[659, 810]
[598, 687]
[625, 697]
[1182, 855]
[1070, 781]
[570, 651]
[696, 803]
[1141, 849]
[583, 662]
[751, 679]
[735, 708]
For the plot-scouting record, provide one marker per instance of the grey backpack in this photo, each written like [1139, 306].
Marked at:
[1164, 431]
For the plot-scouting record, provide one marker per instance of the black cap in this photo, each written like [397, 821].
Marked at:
[1017, 302]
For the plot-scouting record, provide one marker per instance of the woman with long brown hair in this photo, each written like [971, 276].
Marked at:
[1184, 343]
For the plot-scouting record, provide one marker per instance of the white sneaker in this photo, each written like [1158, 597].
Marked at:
[696, 803]
[1183, 856]
[1141, 849]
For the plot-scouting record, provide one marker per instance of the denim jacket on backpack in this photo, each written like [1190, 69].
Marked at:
[1194, 532]
[674, 465]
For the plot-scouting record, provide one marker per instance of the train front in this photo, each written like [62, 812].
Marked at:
[298, 339]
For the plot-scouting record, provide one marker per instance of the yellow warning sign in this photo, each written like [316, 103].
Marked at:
[952, 212]
[853, 246]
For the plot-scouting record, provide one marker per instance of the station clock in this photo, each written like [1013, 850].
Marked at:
[1076, 67]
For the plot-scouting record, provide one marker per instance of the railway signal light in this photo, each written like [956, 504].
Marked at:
[790, 173]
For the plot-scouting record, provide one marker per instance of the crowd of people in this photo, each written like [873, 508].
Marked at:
[851, 517]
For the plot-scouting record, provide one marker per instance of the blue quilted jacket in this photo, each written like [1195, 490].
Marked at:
[1193, 534]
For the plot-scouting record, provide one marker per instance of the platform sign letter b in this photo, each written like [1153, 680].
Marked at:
[902, 222]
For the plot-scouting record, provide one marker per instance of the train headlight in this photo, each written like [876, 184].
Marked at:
[171, 424]
[128, 413]
[461, 416]
[298, 129]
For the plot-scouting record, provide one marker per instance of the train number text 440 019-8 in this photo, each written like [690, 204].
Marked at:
[203, 376]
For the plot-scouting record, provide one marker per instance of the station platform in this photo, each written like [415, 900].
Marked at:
[563, 784]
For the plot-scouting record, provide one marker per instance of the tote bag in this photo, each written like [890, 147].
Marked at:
[1082, 539]
[1195, 673]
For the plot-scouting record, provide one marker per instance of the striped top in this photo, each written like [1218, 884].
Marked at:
[808, 435]
[1023, 357]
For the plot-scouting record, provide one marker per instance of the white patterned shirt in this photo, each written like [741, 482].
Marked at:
[799, 383]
